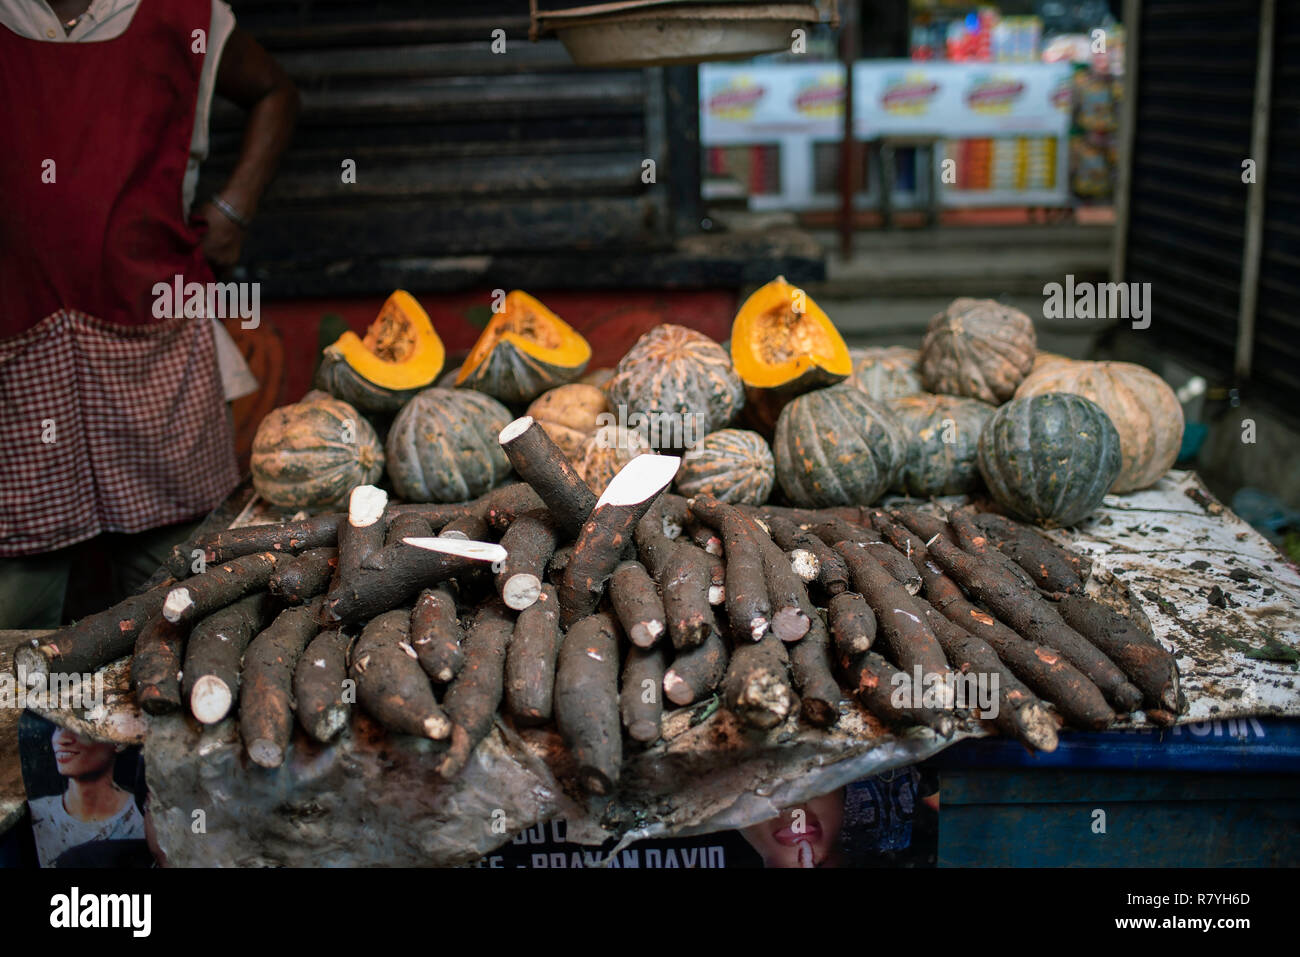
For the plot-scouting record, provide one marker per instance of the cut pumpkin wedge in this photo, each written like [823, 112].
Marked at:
[524, 350]
[782, 340]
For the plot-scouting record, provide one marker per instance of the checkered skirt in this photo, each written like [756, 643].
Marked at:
[107, 428]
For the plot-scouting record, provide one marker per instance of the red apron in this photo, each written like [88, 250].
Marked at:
[113, 420]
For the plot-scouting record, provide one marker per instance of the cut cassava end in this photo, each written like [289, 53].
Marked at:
[637, 603]
[541, 463]
[391, 685]
[757, 687]
[686, 580]
[1030, 614]
[306, 575]
[156, 665]
[220, 586]
[641, 698]
[853, 624]
[363, 533]
[749, 607]
[875, 682]
[1147, 664]
[530, 661]
[831, 572]
[95, 640]
[213, 654]
[696, 672]
[785, 590]
[586, 701]
[609, 530]
[318, 685]
[812, 670]
[529, 543]
[436, 634]
[474, 695]
[900, 621]
[266, 692]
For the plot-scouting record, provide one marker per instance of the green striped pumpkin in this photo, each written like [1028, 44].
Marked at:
[312, 454]
[1050, 458]
[732, 465]
[443, 446]
[943, 434]
[837, 446]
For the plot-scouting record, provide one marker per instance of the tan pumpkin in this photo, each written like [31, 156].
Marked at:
[1144, 409]
[978, 348]
[570, 415]
[607, 451]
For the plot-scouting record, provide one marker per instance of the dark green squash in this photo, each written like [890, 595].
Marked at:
[837, 446]
[443, 446]
[1050, 458]
[886, 372]
[732, 465]
[943, 434]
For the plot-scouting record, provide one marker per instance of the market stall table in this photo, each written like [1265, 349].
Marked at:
[1213, 589]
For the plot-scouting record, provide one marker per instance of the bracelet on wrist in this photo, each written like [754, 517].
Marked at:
[230, 212]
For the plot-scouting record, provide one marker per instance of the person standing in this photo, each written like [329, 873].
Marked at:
[113, 421]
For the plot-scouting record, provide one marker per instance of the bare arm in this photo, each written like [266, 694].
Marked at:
[250, 77]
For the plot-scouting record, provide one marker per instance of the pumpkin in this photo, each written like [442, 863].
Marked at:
[675, 386]
[443, 446]
[1049, 458]
[1043, 359]
[524, 350]
[313, 454]
[400, 355]
[570, 415]
[977, 348]
[886, 372]
[608, 449]
[1144, 409]
[782, 340]
[732, 465]
[943, 433]
[837, 446]
[597, 377]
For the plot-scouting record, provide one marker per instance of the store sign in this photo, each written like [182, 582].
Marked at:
[758, 103]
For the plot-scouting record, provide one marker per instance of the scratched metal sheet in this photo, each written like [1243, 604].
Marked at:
[1172, 545]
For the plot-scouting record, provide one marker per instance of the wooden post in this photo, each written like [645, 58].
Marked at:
[848, 145]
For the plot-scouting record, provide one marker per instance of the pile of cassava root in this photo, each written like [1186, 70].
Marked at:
[551, 605]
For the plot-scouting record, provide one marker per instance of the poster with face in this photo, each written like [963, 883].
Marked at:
[890, 820]
[86, 798]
